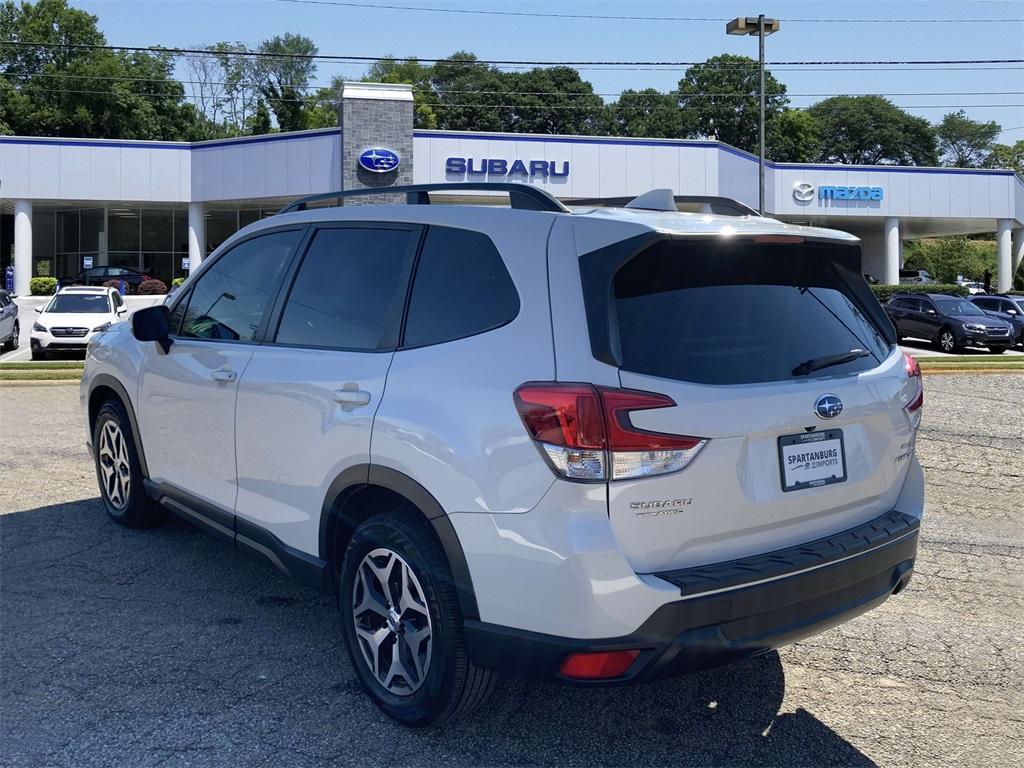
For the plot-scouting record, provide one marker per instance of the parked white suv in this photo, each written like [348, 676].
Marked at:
[598, 446]
[72, 317]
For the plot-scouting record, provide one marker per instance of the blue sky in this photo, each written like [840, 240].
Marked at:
[373, 32]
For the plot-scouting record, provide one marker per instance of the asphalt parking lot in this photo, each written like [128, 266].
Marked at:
[164, 647]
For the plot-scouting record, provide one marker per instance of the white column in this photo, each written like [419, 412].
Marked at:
[22, 246]
[196, 235]
[1004, 277]
[892, 251]
[1017, 250]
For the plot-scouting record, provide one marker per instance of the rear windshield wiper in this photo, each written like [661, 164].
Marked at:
[827, 361]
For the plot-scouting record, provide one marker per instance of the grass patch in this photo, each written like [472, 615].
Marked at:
[41, 365]
[51, 375]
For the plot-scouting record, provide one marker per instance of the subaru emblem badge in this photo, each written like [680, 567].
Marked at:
[828, 406]
[379, 159]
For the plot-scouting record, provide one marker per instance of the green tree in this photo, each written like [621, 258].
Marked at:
[649, 113]
[872, 130]
[259, 121]
[965, 143]
[392, 70]
[794, 136]
[947, 258]
[1007, 156]
[284, 71]
[552, 100]
[470, 96]
[720, 99]
[85, 92]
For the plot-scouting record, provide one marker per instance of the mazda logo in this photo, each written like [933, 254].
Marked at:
[803, 192]
[828, 406]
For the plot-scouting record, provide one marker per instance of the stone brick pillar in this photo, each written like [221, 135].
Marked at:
[375, 115]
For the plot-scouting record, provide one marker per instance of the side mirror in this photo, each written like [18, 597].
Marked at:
[1012, 312]
[39, 310]
[153, 324]
[931, 311]
[121, 310]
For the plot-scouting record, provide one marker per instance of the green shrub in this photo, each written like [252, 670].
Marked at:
[42, 286]
[946, 258]
[176, 282]
[152, 287]
[884, 292]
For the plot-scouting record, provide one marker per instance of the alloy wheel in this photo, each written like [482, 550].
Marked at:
[946, 341]
[15, 339]
[115, 467]
[392, 621]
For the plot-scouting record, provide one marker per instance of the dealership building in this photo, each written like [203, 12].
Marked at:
[160, 207]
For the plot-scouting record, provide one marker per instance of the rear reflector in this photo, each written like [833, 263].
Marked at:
[586, 434]
[597, 666]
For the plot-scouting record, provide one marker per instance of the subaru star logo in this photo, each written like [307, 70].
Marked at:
[803, 192]
[828, 406]
[379, 160]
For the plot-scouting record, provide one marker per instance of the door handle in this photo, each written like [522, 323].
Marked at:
[223, 376]
[351, 396]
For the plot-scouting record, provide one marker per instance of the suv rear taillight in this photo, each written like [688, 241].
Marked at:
[585, 432]
[914, 408]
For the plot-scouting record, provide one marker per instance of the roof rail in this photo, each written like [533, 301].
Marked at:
[723, 206]
[521, 196]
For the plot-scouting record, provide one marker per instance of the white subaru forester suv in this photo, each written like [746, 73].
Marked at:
[598, 446]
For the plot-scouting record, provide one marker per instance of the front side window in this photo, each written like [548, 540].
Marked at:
[230, 298]
[350, 288]
[461, 288]
[79, 303]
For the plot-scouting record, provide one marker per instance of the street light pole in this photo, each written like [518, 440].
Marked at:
[760, 156]
[762, 27]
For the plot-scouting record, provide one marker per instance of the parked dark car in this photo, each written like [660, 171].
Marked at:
[9, 329]
[1009, 309]
[950, 322]
[100, 275]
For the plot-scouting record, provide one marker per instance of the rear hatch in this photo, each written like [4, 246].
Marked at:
[776, 354]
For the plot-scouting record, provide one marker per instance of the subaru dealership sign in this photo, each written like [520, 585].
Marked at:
[379, 159]
[547, 169]
[804, 193]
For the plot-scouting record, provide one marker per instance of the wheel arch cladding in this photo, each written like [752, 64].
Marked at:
[362, 491]
[105, 387]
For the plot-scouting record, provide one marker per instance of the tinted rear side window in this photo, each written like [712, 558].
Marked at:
[350, 289]
[738, 313]
[461, 288]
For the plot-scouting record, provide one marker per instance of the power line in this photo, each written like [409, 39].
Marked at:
[571, 94]
[245, 53]
[490, 105]
[610, 17]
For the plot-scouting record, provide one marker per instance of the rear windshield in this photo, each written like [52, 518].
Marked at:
[740, 313]
[79, 303]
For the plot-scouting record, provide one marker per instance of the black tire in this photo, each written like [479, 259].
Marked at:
[129, 506]
[39, 354]
[997, 350]
[11, 343]
[949, 344]
[451, 686]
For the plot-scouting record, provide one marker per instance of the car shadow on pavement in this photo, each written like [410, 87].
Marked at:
[123, 647]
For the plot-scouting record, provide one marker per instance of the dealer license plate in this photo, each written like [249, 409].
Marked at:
[812, 459]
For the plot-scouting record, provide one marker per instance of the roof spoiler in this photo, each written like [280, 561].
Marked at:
[664, 200]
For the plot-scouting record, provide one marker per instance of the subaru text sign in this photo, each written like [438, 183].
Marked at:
[379, 159]
[804, 193]
[547, 169]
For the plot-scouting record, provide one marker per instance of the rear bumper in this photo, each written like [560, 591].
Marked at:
[725, 621]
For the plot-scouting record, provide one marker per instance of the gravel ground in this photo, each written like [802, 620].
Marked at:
[164, 647]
